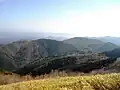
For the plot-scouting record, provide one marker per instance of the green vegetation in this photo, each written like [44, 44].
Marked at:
[87, 44]
[18, 54]
[6, 62]
[107, 47]
[114, 66]
[83, 63]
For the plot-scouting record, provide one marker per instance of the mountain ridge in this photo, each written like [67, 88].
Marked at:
[22, 52]
[44, 55]
[90, 44]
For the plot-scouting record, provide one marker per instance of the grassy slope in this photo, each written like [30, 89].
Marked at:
[98, 82]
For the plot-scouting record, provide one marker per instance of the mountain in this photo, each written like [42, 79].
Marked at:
[113, 54]
[115, 67]
[83, 43]
[22, 52]
[107, 47]
[115, 40]
[43, 55]
[89, 44]
[6, 62]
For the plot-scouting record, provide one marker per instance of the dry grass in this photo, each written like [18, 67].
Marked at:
[8, 78]
[94, 82]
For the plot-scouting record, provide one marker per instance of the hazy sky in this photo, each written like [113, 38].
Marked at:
[77, 17]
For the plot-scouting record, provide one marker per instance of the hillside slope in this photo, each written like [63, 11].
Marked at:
[115, 40]
[6, 62]
[88, 44]
[107, 47]
[22, 52]
[114, 53]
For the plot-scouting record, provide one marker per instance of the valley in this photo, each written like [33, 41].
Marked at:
[44, 55]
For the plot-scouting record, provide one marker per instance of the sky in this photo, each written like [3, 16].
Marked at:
[75, 17]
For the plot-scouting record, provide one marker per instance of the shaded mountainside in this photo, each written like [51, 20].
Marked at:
[114, 53]
[83, 63]
[89, 44]
[6, 62]
[115, 67]
[22, 52]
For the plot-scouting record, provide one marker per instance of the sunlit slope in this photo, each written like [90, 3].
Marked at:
[97, 82]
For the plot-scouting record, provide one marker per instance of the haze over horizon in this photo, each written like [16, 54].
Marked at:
[90, 18]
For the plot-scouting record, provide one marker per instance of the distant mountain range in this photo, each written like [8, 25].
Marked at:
[47, 54]
[115, 40]
[9, 37]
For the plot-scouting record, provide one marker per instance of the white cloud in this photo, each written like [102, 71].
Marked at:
[93, 23]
